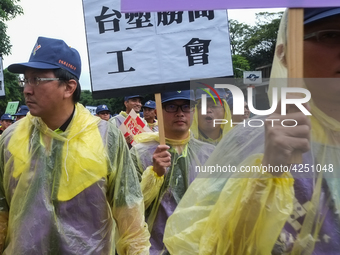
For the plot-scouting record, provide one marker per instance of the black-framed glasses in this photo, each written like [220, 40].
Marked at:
[174, 108]
[325, 36]
[35, 81]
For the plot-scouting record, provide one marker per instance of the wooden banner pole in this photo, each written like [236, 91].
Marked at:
[295, 57]
[159, 109]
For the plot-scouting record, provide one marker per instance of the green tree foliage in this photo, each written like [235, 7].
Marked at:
[256, 43]
[115, 104]
[239, 32]
[8, 10]
[13, 92]
[239, 62]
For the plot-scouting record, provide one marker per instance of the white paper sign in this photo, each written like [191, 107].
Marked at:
[130, 50]
[92, 109]
[252, 77]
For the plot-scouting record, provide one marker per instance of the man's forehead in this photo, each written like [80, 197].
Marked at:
[210, 100]
[134, 99]
[34, 71]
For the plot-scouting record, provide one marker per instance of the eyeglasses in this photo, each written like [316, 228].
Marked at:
[325, 36]
[174, 108]
[35, 81]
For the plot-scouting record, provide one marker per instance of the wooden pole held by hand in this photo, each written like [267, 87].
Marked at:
[295, 57]
[159, 109]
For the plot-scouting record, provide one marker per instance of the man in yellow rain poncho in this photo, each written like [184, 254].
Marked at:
[130, 102]
[167, 170]
[68, 185]
[203, 126]
[275, 212]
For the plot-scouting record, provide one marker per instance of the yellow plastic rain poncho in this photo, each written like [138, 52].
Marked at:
[225, 128]
[255, 213]
[64, 193]
[162, 194]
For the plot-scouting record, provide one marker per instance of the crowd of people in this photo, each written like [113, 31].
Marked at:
[72, 183]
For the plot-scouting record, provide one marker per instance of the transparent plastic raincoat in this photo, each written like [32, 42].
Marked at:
[71, 193]
[162, 194]
[153, 126]
[225, 128]
[119, 119]
[255, 212]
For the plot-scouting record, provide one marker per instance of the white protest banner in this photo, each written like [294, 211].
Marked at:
[128, 52]
[92, 109]
[133, 125]
[180, 5]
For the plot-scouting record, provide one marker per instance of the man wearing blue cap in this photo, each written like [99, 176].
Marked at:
[22, 112]
[167, 170]
[103, 112]
[149, 110]
[6, 121]
[66, 175]
[130, 102]
[203, 126]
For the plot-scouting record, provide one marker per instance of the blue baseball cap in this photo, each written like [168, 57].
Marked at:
[49, 53]
[221, 92]
[129, 97]
[101, 108]
[177, 95]
[22, 111]
[150, 104]
[314, 14]
[6, 116]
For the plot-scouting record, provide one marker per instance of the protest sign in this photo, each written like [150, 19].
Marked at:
[12, 107]
[133, 125]
[152, 52]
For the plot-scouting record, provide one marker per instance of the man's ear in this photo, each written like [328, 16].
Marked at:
[70, 87]
[281, 54]
[125, 103]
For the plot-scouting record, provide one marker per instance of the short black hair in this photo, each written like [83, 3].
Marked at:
[66, 76]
